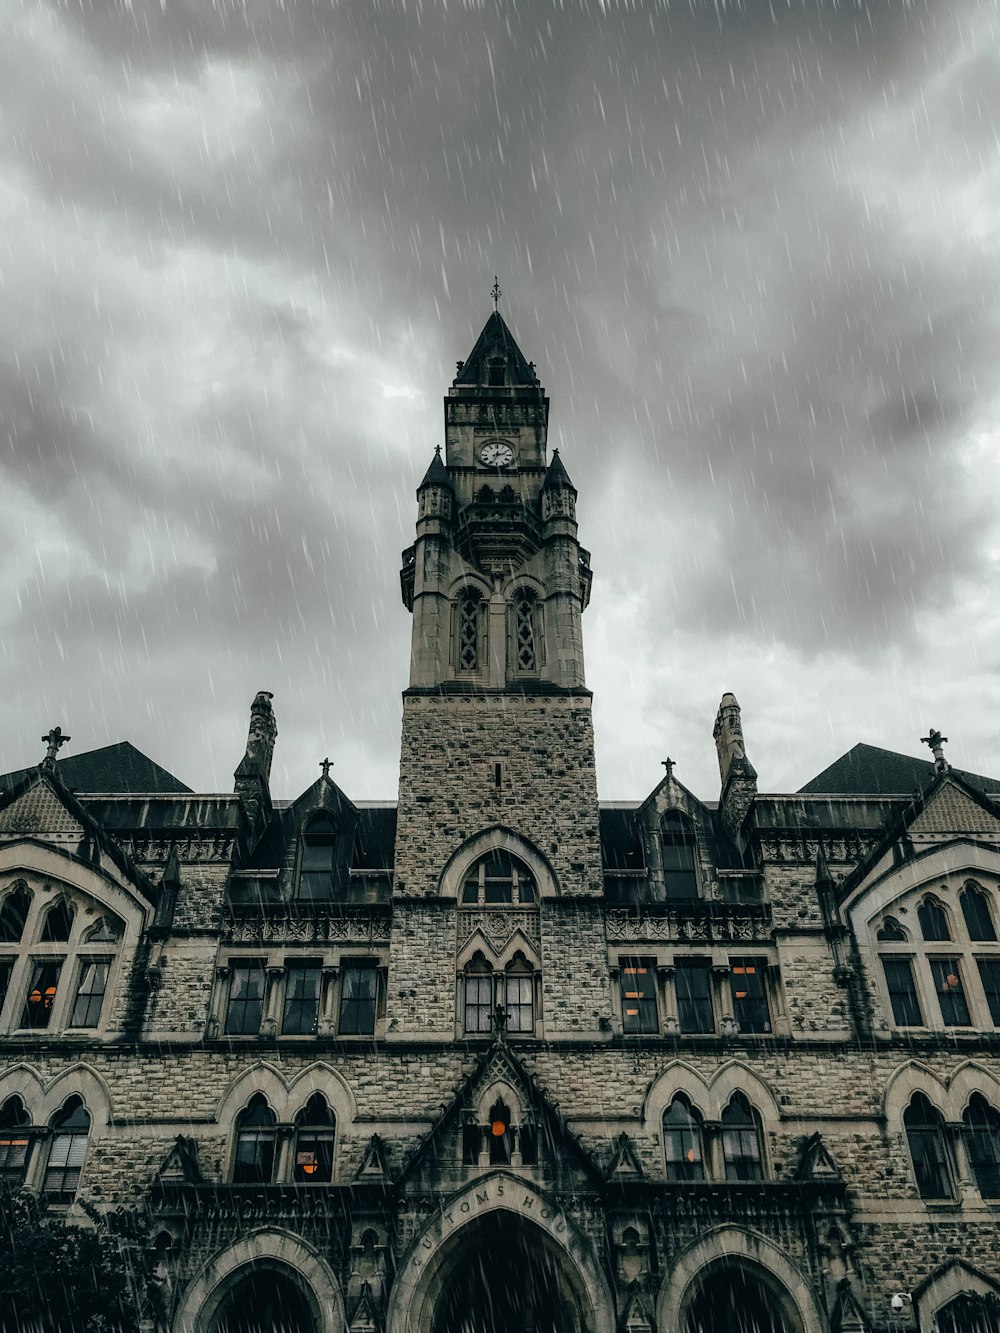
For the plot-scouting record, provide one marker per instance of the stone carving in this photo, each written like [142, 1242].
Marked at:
[498, 927]
[288, 928]
[713, 921]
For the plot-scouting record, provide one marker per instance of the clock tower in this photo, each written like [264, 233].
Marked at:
[497, 739]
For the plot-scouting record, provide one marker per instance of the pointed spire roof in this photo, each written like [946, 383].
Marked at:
[437, 473]
[496, 341]
[557, 476]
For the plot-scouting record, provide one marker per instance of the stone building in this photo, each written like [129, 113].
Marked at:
[499, 1056]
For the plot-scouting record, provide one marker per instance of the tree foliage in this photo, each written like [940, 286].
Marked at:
[63, 1278]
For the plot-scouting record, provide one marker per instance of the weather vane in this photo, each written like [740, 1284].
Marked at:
[496, 293]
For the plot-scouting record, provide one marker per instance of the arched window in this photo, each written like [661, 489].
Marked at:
[978, 917]
[679, 845]
[891, 932]
[319, 849]
[741, 1140]
[254, 1159]
[733, 1298]
[925, 1136]
[682, 1141]
[469, 632]
[519, 997]
[969, 1313]
[15, 1144]
[498, 878]
[70, 1129]
[314, 1129]
[478, 996]
[981, 1130]
[57, 924]
[500, 1133]
[13, 914]
[933, 920]
[525, 613]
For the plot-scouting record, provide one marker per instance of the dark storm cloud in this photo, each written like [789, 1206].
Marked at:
[748, 246]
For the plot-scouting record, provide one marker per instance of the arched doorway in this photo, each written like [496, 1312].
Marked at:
[734, 1297]
[264, 1301]
[507, 1278]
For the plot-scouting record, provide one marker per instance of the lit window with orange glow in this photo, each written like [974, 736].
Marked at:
[638, 994]
[750, 1007]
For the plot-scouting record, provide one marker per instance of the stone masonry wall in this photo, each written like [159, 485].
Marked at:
[447, 792]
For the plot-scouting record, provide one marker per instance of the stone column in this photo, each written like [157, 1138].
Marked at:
[327, 1024]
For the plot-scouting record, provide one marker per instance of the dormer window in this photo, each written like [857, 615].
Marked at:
[319, 847]
[496, 371]
[679, 845]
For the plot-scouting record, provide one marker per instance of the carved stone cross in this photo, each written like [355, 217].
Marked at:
[326, 765]
[54, 740]
[668, 764]
[937, 742]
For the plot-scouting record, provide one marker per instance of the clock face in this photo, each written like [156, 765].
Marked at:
[497, 453]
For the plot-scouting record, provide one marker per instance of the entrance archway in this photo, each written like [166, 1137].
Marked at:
[734, 1297]
[500, 1257]
[507, 1279]
[264, 1301]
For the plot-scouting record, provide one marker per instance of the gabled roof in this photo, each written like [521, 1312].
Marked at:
[41, 805]
[112, 768]
[870, 770]
[499, 1061]
[496, 339]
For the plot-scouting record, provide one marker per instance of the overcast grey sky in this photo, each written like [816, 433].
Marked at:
[752, 248]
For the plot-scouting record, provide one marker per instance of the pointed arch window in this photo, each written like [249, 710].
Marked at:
[679, 844]
[13, 914]
[519, 988]
[498, 878]
[479, 996]
[15, 1142]
[742, 1149]
[891, 932]
[933, 920]
[318, 863]
[57, 924]
[314, 1133]
[469, 632]
[969, 1313]
[925, 1136]
[256, 1139]
[501, 1135]
[683, 1142]
[526, 615]
[978, 917]
[70, 1130]
[981, 1131]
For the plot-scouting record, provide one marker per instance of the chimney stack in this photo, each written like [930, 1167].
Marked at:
[738, 775]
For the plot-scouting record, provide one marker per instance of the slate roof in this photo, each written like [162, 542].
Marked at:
[496, 334]
[112, 768]
[870, 770]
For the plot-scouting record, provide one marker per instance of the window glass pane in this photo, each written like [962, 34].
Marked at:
[926, 1141]
[358, 989]
[933, 920]
[13, 914]
[14, 1150]
[947, 976]
[750, 995]
[246, 999]
[90, 993]
[302, 984]
[741, 1148]
[478, 1002]
[520, 1015]
[682, 1143]
[981, 1127]
[254, 1162]
[694, 997]
[524, 635]
[677, 845]
[58, 923]
[978, 919]
[902, 992]
[6, 970]
[468, 634]
[638, 988]
[969, 1313]
[314, 1156]
[42, 989]
[62, 1174]
[989, 971]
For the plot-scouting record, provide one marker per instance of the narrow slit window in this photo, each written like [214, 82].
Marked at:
[469, 617]
[524, 634]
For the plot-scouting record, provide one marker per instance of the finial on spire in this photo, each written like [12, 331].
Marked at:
[54, 740]
[937, 742]
[668, 764]
[326, 765]
[496, 293]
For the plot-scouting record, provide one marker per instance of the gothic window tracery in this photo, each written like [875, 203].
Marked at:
[933, 920]
[981, 1131]
[924, 1127]
[508, 992]
[256, 1143]
[525, 632]
[67, 1150]
[978, 917]
[469, 632]
[498, 879]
